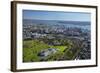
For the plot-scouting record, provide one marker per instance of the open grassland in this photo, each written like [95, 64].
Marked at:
[31, 49]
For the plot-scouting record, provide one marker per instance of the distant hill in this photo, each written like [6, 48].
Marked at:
[54, 22]
[75, 22]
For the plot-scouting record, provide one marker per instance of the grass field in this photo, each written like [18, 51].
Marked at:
[60, 48]
[32, 47]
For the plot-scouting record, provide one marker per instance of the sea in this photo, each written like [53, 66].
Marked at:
[85, 25]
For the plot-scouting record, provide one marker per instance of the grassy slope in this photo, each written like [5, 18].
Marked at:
[32, 47]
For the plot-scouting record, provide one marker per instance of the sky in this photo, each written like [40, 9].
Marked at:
[56, 15]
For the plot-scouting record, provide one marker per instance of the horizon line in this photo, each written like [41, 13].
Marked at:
[56, 20]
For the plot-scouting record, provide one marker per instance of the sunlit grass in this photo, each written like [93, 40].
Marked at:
[60, 48]
[31, 49]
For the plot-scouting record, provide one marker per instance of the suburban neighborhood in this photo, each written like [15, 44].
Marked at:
[61, 42]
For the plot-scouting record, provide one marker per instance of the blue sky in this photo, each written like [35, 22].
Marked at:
[53, 15]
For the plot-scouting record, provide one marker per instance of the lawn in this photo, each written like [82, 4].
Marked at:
[60, 48]
[31, 48]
